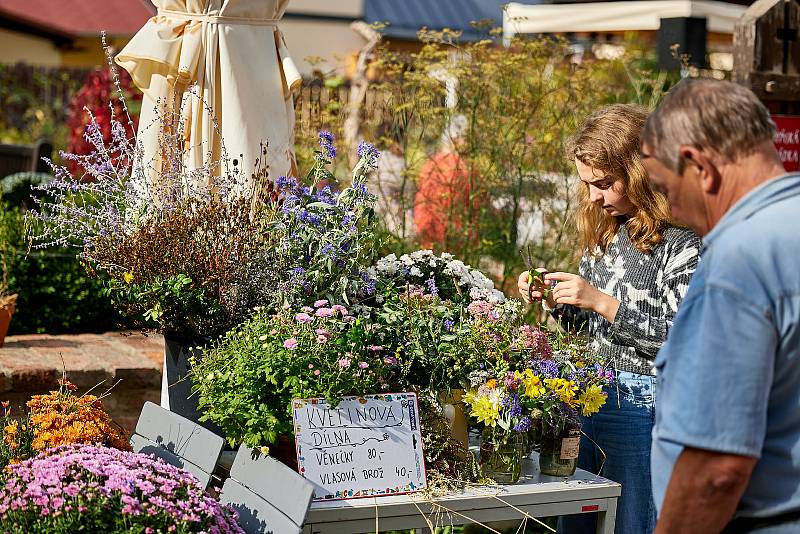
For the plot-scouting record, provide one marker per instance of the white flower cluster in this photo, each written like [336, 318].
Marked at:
[424, 263]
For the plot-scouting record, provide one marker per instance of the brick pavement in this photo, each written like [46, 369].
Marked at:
[32, 364]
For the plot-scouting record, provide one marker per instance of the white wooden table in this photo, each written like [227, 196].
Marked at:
[536, 495]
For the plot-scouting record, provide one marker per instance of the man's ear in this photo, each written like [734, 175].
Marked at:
[699, 163]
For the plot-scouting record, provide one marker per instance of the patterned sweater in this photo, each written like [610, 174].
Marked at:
[649, 289]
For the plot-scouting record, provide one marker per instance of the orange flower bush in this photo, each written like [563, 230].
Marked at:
[58, 418]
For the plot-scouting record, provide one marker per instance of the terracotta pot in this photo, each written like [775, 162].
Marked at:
[5, 320]
[284, 451]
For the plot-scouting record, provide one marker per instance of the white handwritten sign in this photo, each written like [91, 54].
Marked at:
[363, 447]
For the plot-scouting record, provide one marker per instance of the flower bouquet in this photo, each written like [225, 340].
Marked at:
[537, 394]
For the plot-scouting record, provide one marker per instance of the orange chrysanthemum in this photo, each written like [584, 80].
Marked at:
[60, 418]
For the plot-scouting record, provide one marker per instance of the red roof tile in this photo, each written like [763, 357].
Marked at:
[80, 17]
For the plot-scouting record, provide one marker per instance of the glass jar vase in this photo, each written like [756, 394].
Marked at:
[501, 459]
[558, 453]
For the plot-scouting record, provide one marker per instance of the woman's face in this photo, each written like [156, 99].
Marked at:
[605, 190]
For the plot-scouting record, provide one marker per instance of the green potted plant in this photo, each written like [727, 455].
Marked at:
[191, 254]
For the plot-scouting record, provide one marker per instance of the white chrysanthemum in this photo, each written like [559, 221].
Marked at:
[419, 255]
[415, 271]
[496, 296]
[388, 265]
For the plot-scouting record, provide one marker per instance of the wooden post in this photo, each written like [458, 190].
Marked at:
[358, 87]
[766, 58]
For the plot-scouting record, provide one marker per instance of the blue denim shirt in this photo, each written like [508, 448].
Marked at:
[729, 373]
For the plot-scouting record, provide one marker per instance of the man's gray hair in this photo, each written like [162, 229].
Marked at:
[720, 116]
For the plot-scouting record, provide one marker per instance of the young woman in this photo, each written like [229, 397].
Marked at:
[634, 271]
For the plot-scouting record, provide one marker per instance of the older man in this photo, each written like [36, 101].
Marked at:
[726, 443]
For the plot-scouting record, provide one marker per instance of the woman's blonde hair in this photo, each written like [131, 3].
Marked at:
[609, 140]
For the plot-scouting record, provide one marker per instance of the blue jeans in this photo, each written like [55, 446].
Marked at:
[622, 429]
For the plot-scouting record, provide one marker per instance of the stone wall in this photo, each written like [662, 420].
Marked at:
[32, 364]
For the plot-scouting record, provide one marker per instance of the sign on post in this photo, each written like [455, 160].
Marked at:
[362, 447]
[787, 140]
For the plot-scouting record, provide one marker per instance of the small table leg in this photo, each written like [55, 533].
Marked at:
[606, 520]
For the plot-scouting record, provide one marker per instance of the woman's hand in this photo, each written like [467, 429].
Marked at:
[572, 289]
[528, 293]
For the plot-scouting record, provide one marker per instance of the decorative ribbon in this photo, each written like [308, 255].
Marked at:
[183, 52]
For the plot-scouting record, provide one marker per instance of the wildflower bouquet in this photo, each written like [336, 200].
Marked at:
[247, 379]
[540, 388]
[576, 376]
[91, 488]
[58, 418]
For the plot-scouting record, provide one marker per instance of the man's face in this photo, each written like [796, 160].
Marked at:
[683, 192]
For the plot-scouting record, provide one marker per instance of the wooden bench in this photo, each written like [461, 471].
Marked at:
[22, 158]
[177, 441]
[269, 497]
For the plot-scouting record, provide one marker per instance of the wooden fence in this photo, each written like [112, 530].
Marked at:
[26, 88]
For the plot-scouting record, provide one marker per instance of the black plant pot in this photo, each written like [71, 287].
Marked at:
[176, 386]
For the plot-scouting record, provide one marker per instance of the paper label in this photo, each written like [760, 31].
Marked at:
[570, 448]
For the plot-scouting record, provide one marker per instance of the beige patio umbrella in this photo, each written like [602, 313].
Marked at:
[232, 55]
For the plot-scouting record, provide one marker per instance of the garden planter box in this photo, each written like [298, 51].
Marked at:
[176, 386]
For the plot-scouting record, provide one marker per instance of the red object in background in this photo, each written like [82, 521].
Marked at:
[442, 203]
[787, 140]
[75, 18]
[442, 198]
[95, 94]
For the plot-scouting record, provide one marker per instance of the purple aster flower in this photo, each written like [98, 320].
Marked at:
[511, 401]
[303, 317]
[145, 490]
[524, 425]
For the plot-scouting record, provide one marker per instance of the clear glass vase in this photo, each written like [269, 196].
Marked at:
[533, 437]
[502, 461]
[558, 453]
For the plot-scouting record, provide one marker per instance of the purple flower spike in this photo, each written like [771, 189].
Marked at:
[326, 141]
